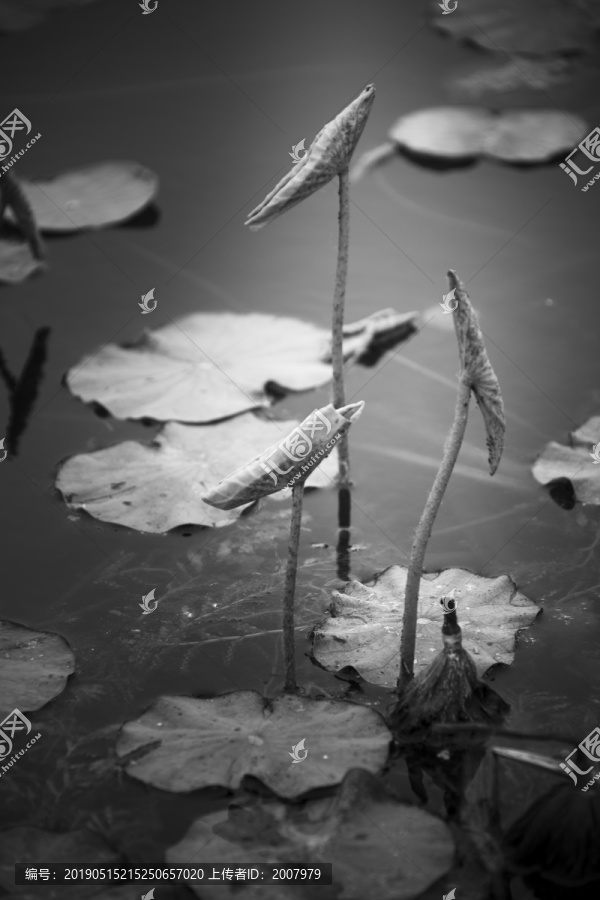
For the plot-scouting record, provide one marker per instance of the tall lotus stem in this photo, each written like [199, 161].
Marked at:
[337, 326]
[289, 635]
[423, 532]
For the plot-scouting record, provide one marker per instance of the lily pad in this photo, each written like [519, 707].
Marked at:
[90, 197]
[158, 486]
[577, 463]
[366, 624]
[19, 15]
[17, 262]
[380, 849]
[456, 133]
[37, 847]
[34, 666]
[194, 743]
[534, 27]
[209, 366]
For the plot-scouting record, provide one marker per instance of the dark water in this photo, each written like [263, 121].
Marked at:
[212, 98]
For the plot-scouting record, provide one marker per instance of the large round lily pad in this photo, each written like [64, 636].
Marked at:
[579, 463]
[159, 486]
[34, 667]
[366, 624]
[380, 849]
[529, 135]
[92, 196]
[194, 743]
[209, 366]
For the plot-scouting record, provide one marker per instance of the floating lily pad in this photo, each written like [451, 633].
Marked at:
[366, 624]
[535, 27]
[194, 743]
[517, 73]
[380, 849]
[17, 262]
[206, 367]
[38, 848]
[19, 15]
[34, 666]
[576, 463]
[158, 486]
[90, 197]
[455, 133]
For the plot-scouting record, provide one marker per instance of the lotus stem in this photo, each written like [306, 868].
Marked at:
[423, 532]
[337, 326]
[343, 543]
[289, 642]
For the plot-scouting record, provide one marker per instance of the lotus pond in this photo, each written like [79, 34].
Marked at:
[201, 662]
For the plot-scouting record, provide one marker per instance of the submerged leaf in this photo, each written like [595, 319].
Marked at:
[34, 666]
[535, 27]
[90, 197]
[274, 468]
[366, 624]
[38, 848]
[381, 849]
[482, 378]
[159, 486]
[328, 155]
[577, 463]
[217, 741]
[209, 366]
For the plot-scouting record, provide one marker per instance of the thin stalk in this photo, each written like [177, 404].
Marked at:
[289, 644]
[423, 533]
[337, 325]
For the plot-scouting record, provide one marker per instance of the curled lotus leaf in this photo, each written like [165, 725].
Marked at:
[578, 463]
[366, 622]
[270, 471]
[159, 486]
[328, 155]
[482, 378]
[381, 849]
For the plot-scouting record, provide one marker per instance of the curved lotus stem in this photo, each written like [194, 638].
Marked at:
[13, 196]
[370, 159]
[478, 376]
